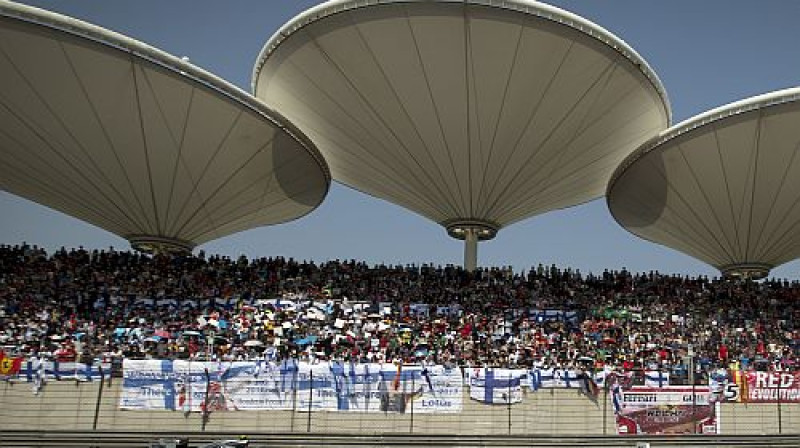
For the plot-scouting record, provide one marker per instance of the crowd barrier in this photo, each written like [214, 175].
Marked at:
[293, 396]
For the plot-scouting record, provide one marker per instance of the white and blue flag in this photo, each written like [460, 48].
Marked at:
[495, 386]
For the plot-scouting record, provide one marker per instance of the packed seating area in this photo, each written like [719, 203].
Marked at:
[79, 305]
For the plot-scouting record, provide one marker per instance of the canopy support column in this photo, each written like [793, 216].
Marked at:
[471, 249]
[471, 231]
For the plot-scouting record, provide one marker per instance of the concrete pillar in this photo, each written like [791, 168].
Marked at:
[470, 249]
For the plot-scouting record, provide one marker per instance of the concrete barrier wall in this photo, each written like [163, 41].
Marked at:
[74, 406]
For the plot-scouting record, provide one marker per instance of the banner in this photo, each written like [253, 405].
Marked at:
[495, 386]
[34, 368]
[268, 385]
[9, 367]
[755, 387]
[356, 387]
[771, 387]
[442, 391]
[54, 370]
[315, 388]
[727, 386]
[234, 386]
[656, 378]
[189, 387]
[379, 388]
[554, 378]
[666, 410]
[148, 384]
[554, 315]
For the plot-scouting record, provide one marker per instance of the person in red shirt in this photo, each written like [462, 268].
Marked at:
[627, 364]
[66, 353]
[663, 354]
[723, 353]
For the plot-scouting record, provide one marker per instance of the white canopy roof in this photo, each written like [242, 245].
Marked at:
[138, 142]
[473, 111]
[723, 187]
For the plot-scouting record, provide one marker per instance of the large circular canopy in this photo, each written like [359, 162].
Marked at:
[723, 187]
[138, 142]
[471, 113]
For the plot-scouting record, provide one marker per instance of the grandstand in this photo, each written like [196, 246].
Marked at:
[121, 304]
[101, 344]
[442, 340]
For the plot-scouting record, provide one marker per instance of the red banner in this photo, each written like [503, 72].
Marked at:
[771, 387]
[9, 366]
[666, 410]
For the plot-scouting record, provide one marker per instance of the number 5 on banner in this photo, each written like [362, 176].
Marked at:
[731, 392]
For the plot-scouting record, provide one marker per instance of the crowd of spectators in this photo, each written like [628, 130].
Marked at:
[79, 305]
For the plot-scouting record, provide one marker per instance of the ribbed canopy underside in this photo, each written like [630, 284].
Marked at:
[724, 188]
[461, 111]
[138, 148]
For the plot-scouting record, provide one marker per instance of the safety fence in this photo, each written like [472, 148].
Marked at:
[295, 397]
[139, 439]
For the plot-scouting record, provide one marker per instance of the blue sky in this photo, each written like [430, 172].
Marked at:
[707, 53]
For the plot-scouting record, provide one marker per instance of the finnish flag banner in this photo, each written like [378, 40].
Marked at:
[495, 386]
[270, 386]
[190, 385]
[316, 390]
[555, 378]
[441, 392]
[359, 387]
[231, 386]
[401, 385]
[68, 371]
[601, 376]
[148, 384]
[656, 378]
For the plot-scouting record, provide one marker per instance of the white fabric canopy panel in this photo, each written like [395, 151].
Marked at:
[140, 143]
[723, 187]
[474, 114]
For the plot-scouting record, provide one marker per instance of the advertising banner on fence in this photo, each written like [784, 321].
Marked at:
[755, 387]
[665, 410]
[770, 387]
